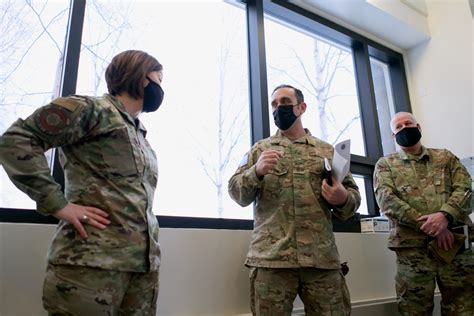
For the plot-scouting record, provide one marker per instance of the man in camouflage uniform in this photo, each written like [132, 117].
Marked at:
[293, 250]
[104, 257]
[423, 191]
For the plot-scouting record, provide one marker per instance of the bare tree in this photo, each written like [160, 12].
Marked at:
[22, 28]
[231, 122]
[328, 61]
[104, 40]
[24, 25]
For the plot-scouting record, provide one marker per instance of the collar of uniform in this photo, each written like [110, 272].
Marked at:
[424, 153]
[140, 125]
[279, 139]
[282, 140]
[119, 105]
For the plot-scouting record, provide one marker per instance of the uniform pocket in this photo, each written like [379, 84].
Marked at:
[118, 155]
[441, 179]
[274, 181]
[316, 165]
[62, 295]
[316, 172]
[401, 286]
[440, 184]
[267, 292]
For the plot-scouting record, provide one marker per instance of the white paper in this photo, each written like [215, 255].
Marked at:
[341, 160]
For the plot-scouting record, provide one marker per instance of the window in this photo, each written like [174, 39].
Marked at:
[384, 101]
[202, 130]
[32, 45]
[325, 74]
[221, 61]
[363, 208]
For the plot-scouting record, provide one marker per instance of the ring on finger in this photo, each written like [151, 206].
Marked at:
[85, 218]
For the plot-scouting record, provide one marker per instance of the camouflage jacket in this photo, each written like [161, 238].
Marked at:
[408, 186]
[107, 164]
[292, 221]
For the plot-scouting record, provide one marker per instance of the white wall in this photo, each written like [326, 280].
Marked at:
[441, 78]
[202, 270]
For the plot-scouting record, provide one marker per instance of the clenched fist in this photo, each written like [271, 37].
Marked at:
[267, 161]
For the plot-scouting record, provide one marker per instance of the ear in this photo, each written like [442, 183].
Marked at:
[303, 107]
[145, 82]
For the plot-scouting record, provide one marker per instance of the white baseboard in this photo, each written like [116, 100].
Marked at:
[376, 307]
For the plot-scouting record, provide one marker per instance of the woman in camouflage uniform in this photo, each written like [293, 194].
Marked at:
[105, 255]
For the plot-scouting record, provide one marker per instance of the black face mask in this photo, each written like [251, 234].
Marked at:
[408, 136]
[284, 117]
[152, 97]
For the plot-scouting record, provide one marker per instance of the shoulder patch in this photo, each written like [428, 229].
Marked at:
[70, 104]
[52, 119]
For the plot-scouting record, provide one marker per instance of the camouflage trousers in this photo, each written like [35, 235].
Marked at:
[77, 290]
[323, 292]
[415, 283]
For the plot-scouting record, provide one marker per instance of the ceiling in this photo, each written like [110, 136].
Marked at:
[401, 23]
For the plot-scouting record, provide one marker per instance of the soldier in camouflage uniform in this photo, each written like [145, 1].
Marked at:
[293, 250]
[104, 257]
[423, 191]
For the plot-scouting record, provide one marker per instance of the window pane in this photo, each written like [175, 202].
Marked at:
[384, 101]
[32, 35]
[202, 130]
[363, 209]
[325, 74]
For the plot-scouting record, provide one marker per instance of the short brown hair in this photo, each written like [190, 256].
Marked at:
[127, 70]
[299, 95]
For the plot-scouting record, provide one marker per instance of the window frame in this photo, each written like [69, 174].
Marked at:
[362, 49]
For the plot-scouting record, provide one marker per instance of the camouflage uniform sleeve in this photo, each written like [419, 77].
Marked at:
[244, 184]
[392, 206]
[458, 203]
[22, 148]
[353, 199]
